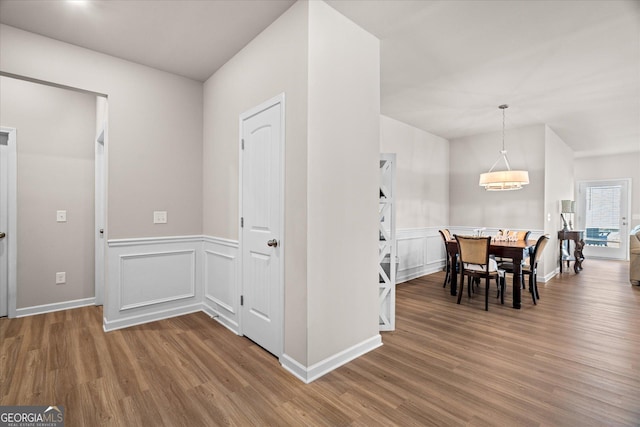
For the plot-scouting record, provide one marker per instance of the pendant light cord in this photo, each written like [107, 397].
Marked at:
[503, 152]
[503, 127]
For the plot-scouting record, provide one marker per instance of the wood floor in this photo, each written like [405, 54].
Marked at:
[572, 360]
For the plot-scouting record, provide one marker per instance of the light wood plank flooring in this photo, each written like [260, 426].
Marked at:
[572, 360]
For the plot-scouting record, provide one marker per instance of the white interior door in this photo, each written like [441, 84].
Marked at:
[262, 134]
[603, 213]
[99, 216]
[8, 224]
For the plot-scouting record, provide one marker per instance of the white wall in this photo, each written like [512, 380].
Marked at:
[559, 185]
[55, 155]
[343, 179]
[328, 70]
[422, 174]
[154, 158]
[155, 130]
[471, 205]
[272, 63]
[422, 196]
[614, 167]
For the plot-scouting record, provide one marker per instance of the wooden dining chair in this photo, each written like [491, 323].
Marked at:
[475, 263]
[520, 235]
[446, 235]
[529, 267]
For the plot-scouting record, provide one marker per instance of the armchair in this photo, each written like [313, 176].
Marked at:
[634, 256]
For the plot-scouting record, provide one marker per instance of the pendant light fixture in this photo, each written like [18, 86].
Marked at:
[507, 179]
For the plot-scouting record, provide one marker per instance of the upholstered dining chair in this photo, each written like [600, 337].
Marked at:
[529, 268]
[520, 235]
[446, 235]
[475, 263]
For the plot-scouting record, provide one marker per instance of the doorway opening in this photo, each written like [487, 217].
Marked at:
[53, 244]
[603, 212]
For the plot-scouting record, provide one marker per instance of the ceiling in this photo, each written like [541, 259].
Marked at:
[445, 65]
[192, 38]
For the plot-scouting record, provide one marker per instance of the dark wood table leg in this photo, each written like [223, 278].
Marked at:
[517, 285]
[454, 274]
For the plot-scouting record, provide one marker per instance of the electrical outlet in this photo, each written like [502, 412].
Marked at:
[61, 216]
[160, 217]
[61, 278]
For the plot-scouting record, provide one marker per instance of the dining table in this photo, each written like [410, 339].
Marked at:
[515, 250]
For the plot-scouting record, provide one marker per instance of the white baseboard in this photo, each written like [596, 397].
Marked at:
[315, 371]
[548, 276]
[49, 308]
[423, 272]
[149, 317]
[220, 318]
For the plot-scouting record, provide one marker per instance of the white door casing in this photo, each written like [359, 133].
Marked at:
[100, 202]
[262, 224]
[8, 222]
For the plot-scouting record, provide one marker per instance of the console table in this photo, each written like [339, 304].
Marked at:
[565, 251]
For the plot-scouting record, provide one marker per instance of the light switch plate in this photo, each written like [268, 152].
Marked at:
[159, 217]
[61, 216]
[61, 278]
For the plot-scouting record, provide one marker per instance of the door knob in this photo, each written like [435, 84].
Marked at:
[2, 235]
[272, 243]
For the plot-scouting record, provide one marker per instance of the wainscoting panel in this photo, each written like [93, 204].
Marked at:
[414, 253]
[436, 255]
[222, 281]
[420, 252]
[152, 279]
